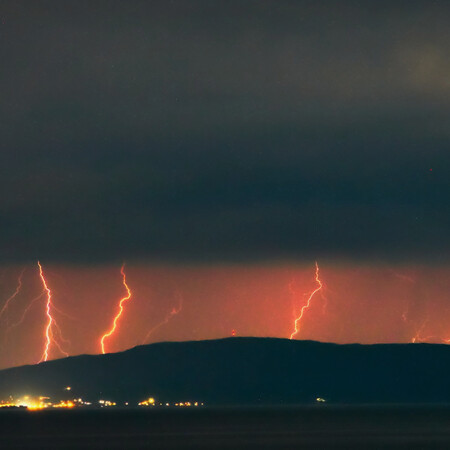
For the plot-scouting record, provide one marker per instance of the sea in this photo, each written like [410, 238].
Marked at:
[313, 427]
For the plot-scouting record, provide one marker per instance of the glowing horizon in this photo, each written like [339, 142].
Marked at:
[363, 304]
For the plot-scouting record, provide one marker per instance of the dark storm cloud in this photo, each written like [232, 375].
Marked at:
[224, 130]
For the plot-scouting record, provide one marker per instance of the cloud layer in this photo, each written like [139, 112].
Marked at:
[199, 131]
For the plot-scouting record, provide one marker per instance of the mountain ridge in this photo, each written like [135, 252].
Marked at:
[245, 371]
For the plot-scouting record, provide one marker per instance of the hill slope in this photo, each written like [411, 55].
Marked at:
[246, 371]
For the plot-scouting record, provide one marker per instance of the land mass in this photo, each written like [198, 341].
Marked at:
[246, 371]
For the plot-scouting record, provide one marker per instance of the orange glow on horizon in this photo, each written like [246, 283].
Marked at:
[367, 304]
[308, 303]
[116, 318]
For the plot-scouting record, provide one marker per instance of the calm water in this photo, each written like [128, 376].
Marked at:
[276, 428]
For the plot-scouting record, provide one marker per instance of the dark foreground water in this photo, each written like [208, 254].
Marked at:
[321, 427]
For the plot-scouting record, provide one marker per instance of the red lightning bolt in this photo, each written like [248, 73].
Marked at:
[51, 322]
[25, 312]
[48, 328]
[116, 318]
[56, 343]
[410, 280]
[308, 303]
[14, 295]
[403, 277]
[405, 314]
[173, 312]
[417, 337]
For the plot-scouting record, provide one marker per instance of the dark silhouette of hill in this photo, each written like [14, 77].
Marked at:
[250, 371]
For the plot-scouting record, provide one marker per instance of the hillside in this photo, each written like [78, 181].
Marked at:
[246, 371]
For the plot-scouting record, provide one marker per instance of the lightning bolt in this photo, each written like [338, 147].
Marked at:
[63, 313]
[405, 314]
[14, 295]
[25, 312]
[51, 322]
[48, 328]
[418, 338]
[308, 303]
[56, 343]
[116, 318]
[403, 277]
[173, 312]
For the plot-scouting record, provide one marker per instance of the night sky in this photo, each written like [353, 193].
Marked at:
[219, 149]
